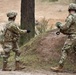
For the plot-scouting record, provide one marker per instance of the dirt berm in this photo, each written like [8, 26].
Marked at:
[44, 51]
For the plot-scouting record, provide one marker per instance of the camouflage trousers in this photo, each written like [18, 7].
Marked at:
[68, 46]
[7, 47]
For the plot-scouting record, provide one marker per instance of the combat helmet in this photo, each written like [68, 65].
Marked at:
[11, 14]
[72, 6]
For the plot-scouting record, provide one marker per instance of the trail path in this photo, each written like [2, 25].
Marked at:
[33, 73]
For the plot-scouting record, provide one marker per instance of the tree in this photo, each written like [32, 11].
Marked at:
[27, 19]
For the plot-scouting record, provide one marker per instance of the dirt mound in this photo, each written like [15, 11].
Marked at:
[45, 51]
[49, 44]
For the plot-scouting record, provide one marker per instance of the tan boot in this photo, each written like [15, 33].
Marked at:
[57, 69]
[17, 66]
[5, 67]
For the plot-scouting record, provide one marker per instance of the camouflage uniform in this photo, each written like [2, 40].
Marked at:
[11, 36]
[69, 29]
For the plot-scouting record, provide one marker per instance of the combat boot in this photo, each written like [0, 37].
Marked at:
[59, 68]
[5, 67]
[18, 66]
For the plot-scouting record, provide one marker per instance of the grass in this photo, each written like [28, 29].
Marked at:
[0, 62]
[31, 58]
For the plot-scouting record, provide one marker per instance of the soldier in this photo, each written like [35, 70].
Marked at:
[69, 29]
[11, 36]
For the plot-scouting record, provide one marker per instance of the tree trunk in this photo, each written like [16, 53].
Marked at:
[27, 19]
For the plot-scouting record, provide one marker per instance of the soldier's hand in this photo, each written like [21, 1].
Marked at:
[28, 31]
[58, 24]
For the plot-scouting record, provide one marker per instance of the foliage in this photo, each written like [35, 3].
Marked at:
[41, 27]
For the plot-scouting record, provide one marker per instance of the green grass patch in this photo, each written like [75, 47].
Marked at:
[49, 0]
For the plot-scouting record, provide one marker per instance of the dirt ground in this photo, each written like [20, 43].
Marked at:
[8, 5]
[52, 12]
[32, 73]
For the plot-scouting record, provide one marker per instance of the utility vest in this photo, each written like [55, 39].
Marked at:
[9, 34]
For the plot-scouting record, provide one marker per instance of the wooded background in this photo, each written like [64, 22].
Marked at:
[67, 1]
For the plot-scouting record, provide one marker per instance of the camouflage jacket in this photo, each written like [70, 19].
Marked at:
[70, 25]
[12, 32]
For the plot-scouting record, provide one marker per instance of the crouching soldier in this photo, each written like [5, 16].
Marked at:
[69, 29]
[11, 36]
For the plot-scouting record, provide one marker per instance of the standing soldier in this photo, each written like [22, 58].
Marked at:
[11, 36]
[69, 29]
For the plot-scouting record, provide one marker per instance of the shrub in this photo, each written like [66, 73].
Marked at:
[41, 26]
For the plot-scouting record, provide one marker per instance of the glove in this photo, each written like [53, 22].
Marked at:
[28, 31]
[58, 24]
